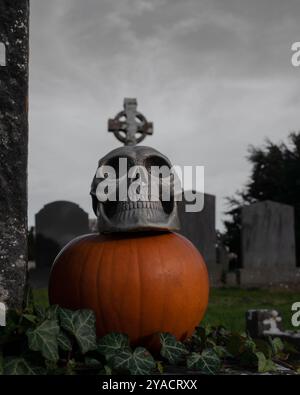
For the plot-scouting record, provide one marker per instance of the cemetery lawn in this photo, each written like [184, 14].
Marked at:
[227, 306]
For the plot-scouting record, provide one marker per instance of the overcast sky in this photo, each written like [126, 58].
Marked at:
[214, 76]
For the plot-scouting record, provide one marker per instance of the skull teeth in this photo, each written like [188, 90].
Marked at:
[124, 206]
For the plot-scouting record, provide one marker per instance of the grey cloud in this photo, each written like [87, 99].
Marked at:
[214, 76]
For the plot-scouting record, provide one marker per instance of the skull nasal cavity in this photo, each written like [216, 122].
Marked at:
[156, 161]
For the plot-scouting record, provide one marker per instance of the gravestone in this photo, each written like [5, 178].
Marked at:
[57, 223]
[268, 245]
[199, 228]
[14, 16]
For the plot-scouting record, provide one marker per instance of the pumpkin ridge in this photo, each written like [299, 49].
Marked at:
[99, 309]
[113, 267]
[179, 273]
[140, 281]
[115, 306]
[163, 309]
[184, 274]
[82, 271]
[123, 291]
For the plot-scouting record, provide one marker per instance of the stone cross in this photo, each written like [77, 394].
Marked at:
[14, 32]
[128, 123]
[264, 323]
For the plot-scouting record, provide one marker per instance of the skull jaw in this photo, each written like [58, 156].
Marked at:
[137, 220]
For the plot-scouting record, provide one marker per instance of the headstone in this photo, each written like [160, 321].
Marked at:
[199, 228]
[14, 17]
[57, 223]
[268, 245]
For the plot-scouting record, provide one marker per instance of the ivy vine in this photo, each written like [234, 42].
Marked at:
[58, 341]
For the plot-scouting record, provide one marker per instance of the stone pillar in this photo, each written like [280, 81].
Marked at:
[14, 21]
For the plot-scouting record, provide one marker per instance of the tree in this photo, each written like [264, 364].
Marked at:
[275, 175]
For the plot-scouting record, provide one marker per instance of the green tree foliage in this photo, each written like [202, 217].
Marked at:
[275, 175]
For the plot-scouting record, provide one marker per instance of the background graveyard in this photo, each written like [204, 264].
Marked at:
[257, 253]
[258, 247]
[261, 234]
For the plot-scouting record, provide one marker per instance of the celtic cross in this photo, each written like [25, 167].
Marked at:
[129, 123]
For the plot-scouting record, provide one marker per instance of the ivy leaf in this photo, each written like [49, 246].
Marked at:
[82, 325]
[235, 344]
[249, 344]
[257, 360]
[199, 336]
[106, 370]
[173, 350]
[160, 367]
[52, 312]
[264, 364]
[17, 366]
[92, 363]
[276, 345]
[207, 362]
[64, 341]
[139, 362]
[31, 318]
[44, 339]
[112, 343]
[264, 347]
[71, 368]
[40, 312]
[221, 351]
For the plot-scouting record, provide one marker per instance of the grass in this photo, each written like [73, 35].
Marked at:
[41, 296]
[228, 306]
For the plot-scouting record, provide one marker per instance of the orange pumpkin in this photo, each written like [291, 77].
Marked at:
[139, 284]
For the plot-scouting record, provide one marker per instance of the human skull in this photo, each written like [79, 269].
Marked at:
[136, 212]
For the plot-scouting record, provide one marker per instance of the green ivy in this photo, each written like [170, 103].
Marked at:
[58, 341]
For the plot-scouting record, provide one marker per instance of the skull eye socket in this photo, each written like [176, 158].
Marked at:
[155, 163]
[120, 164]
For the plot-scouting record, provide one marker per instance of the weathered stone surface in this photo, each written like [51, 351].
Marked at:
[14, 15]
[268, 245]
[57, 223]
[199, 228]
